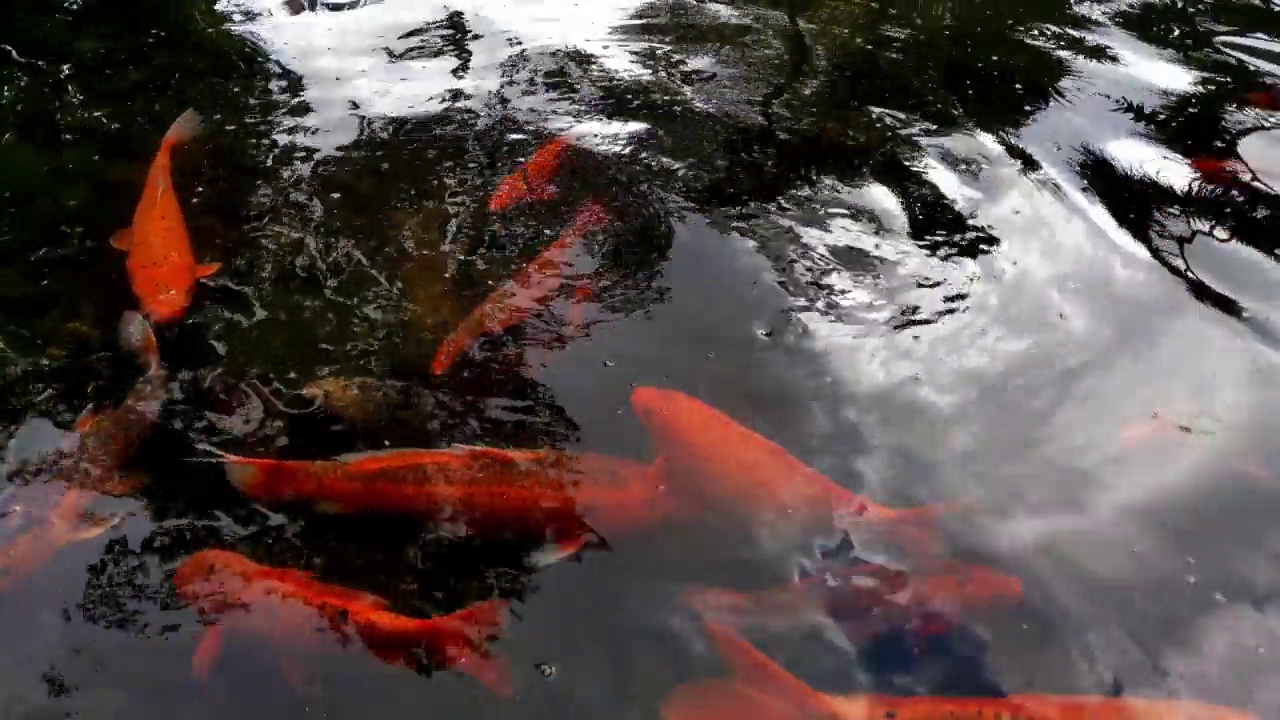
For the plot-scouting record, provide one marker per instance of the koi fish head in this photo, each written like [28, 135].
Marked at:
[667, 415]
[708, 453]
[208, 571]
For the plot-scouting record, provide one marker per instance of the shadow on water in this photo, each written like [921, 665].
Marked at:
[777, 122]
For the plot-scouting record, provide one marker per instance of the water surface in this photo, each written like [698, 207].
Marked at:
[937, 250]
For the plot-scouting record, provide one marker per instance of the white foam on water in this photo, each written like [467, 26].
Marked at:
[341, 56]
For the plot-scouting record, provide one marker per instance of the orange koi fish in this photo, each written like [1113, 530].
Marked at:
[162, 270]
[104, 441]
[862, 591]
[231, 589]
[51, 499]
[705, 454]
[760, 689]
[532, 181]
[524, 294]
[507, 486]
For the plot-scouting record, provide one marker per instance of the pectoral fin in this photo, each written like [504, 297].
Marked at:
[86, 420]
[207, 652]
[207, 269]
[755, 670]
[123, 239]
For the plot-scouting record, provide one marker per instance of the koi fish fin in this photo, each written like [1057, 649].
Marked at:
[557, 552]
[208, 650]
[85, 420]
[752, 668]
[92, 527]
[122, 239]
[187, 126]
[450, 349]
[207, 269]
[494, 672]
[730, 700]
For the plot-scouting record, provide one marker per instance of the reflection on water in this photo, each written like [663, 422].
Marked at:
[938, 250]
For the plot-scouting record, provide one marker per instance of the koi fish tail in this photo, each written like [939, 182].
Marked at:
[564, 549]
[493, 671]
[187, 126]
[450, 350]
[137, 337]
[248, 475]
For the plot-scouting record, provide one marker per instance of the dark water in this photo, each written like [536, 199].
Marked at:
[938, 250]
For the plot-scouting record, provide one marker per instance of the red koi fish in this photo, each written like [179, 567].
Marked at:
[532, 181]
[162, 269]
[760, 689]
[233, 590]
[1220, 171]
[511, 487]
[524, 294]
[860, 592]
[706, 455]
[1268, 99]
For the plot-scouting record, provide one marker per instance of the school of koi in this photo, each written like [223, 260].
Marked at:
[704, 463]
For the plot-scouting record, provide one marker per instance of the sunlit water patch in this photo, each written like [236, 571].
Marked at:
[404, 57]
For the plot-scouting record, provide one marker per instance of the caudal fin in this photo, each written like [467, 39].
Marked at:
[246, 474]
[187, 126]
[493, 671]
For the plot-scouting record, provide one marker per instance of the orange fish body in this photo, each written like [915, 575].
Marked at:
[162, 269]
[762, 690]
[219, 583]
[1219, 171]
[532, 181]
[706, 453]
[524, 294]
[511, 486]
[54, 496]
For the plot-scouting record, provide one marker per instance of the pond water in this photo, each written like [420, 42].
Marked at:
[942, 251]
